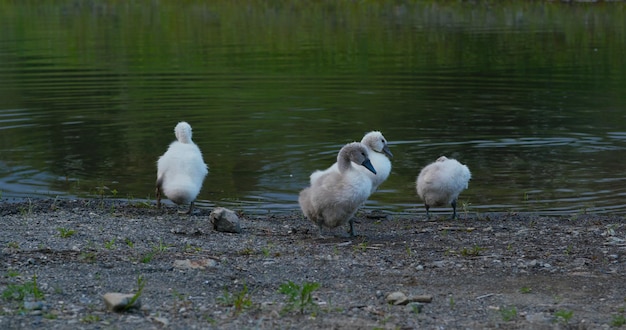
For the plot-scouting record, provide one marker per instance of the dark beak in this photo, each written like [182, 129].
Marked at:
[387, 151]
[368, 165]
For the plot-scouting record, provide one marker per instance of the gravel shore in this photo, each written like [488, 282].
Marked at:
[508, 270]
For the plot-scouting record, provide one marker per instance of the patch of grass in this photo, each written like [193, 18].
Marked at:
[618, 320]
[18, 292]
[90, 318]
[129, 242]
[65, 233]
[360, 247]
[299, 297]
[12, 273]
[188, 248]
[160, 247]
[181, 301]
[563, 315]
[13, 245]
[142, 205]
[110, 244]
[147, 257]
[145, 204]
[28, 209]
[508, 314]
[472, 252]
[141, 283]
[465, 205]
[50, 316]
[239, 300]
[54, 206]
[246, 251]
[88, 257]
[525, 290]
[156, 249]
[267, 250]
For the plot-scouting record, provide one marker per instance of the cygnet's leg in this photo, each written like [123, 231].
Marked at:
[351, 222]
[453, 210]
[188, 211]
[158, 197]
[427, 208]
[159, 183]
[321, 236]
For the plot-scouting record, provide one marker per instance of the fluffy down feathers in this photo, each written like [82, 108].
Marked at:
[441, 182]
[335, 196]
[181, 169]
[379, 154]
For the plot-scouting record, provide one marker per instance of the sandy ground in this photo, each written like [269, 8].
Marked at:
[58, 259]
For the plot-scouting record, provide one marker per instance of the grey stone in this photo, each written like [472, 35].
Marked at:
[225, 220]
[33, 305]
[421, 298]
[162, 320]
[119, 302]
[397, 298]
[538, 318]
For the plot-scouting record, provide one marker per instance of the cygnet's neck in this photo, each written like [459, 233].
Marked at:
[344, 162]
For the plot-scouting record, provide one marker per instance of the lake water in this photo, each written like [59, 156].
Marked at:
[530, 95]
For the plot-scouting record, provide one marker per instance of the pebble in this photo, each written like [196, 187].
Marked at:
[397, 298]
[163, 321]
[440, 263]
[118, 302]
[33, 305]
[421, 299]
[538, 318]
[225, 220]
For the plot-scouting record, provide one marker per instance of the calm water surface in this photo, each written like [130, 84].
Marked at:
[531, 96]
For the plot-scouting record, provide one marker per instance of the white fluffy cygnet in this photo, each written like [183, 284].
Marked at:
[181, 169]
[379, 155]
[441, 182]
[334, 197]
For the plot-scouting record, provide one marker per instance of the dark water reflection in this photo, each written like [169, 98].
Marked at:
[531, 96]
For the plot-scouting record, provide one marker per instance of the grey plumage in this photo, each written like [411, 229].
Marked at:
[378, 153]
[334, 197]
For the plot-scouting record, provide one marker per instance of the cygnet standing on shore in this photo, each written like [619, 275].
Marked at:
[334, 197]
[379, 154]
[441, 182]
[181, 170]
